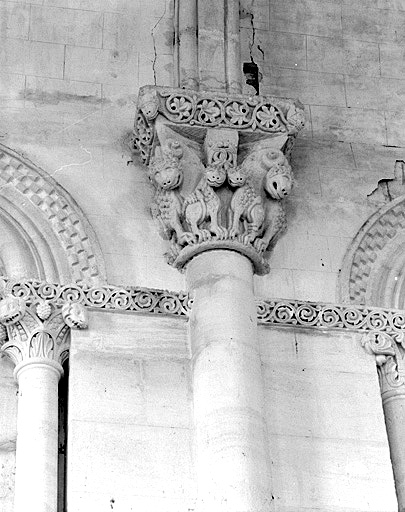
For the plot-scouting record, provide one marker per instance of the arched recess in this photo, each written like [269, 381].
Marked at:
[43, 232]
[373, 270]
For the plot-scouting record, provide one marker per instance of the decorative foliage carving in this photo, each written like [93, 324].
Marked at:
[204, 110]
[329, 316]
[276, 312]
[389, 351]
[38, 328]
[231, 111]
[131, 298]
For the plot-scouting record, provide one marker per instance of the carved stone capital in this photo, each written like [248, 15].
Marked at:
[220, 168]
[39, 330]
[389, 351]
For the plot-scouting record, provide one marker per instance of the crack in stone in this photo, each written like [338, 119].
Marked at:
[154, 44]
[75, 164]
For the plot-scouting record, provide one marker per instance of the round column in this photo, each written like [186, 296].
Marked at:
[37, 436]
[394, 412]
[233, 467]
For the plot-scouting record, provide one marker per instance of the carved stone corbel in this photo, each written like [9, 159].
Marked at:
[220, 168]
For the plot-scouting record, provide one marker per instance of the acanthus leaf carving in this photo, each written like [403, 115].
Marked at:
[38, 329]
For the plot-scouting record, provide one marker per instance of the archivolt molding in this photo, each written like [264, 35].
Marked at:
[275, 312]
[51, 209]
[375, 255]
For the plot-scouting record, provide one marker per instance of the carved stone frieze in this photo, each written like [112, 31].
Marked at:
[316, 315]
[219, 167]
[189, 109]
[130, 298]
[389, 351]
[273, 312]
[38, 328]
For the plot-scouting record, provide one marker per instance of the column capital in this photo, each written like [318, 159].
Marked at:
[38, 333]
[389, 351]
[220, 168]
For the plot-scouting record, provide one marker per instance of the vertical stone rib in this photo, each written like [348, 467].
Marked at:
[187, 44]
[211, 44]
[232, 45]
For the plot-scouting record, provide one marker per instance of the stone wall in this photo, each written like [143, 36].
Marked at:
[344, 61]
[130, 419]
[327, 439]
[130, 437]
[70, 73]
[69, 76]
[8, 434]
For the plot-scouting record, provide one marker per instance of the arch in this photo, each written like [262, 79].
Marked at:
[373, 269]
[43, 232]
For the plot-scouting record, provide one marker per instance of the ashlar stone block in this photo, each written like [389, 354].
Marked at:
[66, 26]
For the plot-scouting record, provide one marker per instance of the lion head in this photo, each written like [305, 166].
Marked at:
[215, 175]
[75, 315]
[278, 180]
[165, 169]
[237, 176]
[12, 310]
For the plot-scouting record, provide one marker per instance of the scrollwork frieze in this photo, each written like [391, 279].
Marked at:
[271, 312]
[316, 315]
[130, 298]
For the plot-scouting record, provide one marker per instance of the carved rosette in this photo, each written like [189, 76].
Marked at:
[39, 330]
[220, 168]
[389, 351]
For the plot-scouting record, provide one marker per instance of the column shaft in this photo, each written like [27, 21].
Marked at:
[37, 436]
[394, 411]
[211, 45]
[233, 468]
[187, 44]
[232, 43]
